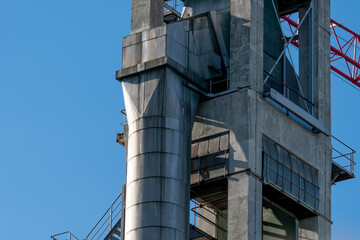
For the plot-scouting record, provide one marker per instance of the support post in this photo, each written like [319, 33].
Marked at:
[123, 205]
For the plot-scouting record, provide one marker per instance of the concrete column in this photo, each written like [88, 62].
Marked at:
[305, 57]
[244, 189]
[245, 208]
[320, 227]
[246, 42]
[321, 63]
[146, 14]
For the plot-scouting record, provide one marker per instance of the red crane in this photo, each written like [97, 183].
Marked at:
[344, 49]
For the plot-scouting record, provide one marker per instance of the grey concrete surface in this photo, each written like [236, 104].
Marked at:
[249, 117]
[146, 14]
[180, 52]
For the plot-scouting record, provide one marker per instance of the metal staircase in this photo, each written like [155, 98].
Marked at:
[107, 228]
[110, 225]
[115, 232]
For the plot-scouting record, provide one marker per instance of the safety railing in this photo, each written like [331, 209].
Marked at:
[305, 103]
[123, 122]
[64, 236]
[193, 212]
[107, 221]
[174, 7]
[196, 217]
[343, 155]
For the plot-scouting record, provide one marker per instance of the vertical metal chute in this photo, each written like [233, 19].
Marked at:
[160, 114]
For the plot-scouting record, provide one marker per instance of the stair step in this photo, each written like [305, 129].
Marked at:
[117, 232]
[114, 238]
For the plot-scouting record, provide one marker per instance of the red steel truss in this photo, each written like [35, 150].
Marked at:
[344, 49]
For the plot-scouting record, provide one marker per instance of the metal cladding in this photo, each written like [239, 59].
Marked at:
[160, 111]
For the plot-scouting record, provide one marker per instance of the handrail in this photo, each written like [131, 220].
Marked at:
[288, 87]
[202, 206]
[349, 156]
[172, 10]
[111, 210]
[63, 233]
[342, 143]
[172, 6]
[124, 122]
[197, 215]
[109, 219]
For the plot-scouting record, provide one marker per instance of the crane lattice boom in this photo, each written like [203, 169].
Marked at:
[344, 49]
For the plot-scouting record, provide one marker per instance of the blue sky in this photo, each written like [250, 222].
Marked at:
[60, 111]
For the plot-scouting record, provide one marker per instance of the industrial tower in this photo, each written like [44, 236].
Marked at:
[224, 126]
[218, 113]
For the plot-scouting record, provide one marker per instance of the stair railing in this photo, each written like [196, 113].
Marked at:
[104, 226]
[64, 234]
[107, 221]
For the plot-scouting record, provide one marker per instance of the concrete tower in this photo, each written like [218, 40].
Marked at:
[219, 113]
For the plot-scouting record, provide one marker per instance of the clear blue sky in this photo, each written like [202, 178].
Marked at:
[60, 111]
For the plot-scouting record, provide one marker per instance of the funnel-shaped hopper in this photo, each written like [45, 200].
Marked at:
[160, 114]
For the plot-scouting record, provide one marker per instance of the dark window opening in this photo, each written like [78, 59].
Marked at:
[290, 174]
[287, 69]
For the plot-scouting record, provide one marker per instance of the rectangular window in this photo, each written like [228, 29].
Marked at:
[290, 174]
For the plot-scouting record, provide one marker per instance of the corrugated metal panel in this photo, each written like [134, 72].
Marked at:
[290, 174]
[210, 145]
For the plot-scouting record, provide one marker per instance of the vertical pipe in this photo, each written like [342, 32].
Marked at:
[123, 204]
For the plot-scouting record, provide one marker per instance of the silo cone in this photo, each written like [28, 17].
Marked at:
[160, 112]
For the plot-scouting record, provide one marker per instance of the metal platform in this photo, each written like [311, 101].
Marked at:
[212, 192]
[343, 164]
[339, 173]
